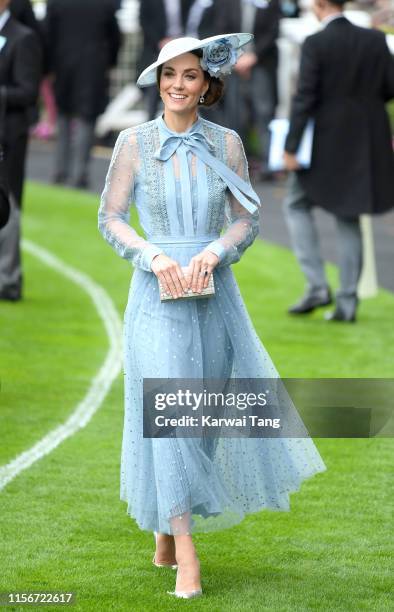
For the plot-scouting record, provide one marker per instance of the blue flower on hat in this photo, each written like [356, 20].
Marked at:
[219, 57]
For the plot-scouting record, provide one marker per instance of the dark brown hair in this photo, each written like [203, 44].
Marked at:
[216, 85]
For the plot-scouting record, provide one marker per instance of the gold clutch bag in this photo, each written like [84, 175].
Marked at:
[205, 293]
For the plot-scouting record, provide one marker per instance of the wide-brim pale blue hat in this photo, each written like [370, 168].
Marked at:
[217, 65]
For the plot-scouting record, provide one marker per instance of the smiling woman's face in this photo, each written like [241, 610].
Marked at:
[182, 82]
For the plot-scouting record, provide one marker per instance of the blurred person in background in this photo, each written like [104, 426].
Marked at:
[22, 10]
[290, 8]
[20, 74]
[346, 77]
[203, 18]
[257, 68]
[83, 44]
[160, 22]
[210, 18]
[251, 92]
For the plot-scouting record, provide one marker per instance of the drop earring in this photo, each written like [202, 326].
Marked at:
[202, 99]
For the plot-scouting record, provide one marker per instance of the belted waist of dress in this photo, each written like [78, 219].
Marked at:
[155, 239]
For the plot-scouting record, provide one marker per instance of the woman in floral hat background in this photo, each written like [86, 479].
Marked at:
[189, 180]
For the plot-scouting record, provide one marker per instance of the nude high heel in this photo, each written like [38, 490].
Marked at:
[186, 594]
[172, 566]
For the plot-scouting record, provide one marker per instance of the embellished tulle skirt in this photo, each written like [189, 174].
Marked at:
[174, 485]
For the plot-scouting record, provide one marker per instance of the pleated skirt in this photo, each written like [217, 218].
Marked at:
[184, 485]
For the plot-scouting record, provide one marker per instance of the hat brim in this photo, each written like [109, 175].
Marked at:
[148, 76]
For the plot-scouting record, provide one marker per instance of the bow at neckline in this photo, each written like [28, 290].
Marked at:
[196, 142]
[173, 140]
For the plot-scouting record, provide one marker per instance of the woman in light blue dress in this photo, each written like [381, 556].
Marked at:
[189, 180]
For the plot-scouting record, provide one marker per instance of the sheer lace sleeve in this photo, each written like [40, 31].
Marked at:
[241, 227]
[116, 199]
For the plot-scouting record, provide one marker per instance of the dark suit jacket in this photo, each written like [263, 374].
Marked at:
[346, 76]
[153, 22]
[22, 11]
[83, 43]
[20, 74]
[4, 202]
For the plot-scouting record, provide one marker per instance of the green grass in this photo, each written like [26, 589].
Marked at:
[63, 526]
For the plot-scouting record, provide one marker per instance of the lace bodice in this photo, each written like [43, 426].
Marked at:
[180, 188]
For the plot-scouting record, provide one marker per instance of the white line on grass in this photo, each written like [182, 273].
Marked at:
[100, 384]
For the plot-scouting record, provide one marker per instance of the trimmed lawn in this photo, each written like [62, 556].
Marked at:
[63, 526]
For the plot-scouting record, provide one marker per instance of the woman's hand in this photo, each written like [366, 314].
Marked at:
[170, 274]
[201, 267]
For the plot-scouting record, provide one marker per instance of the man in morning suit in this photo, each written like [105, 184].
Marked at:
[20, 74]
[83, 44]
[346, 77]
